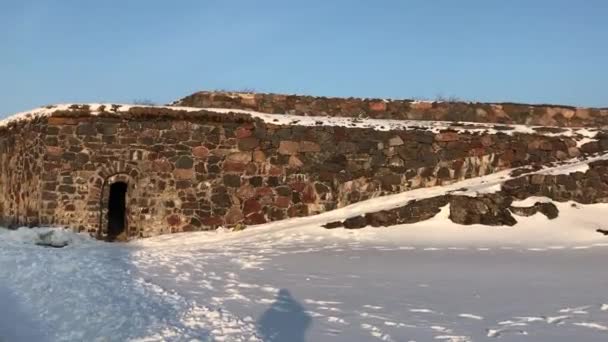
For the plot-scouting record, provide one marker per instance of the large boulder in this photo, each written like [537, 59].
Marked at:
[490, 210]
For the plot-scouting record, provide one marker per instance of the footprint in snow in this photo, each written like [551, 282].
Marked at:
[441, 329]
[373, 307]
[453, 338]
[581, 310]
[592, 325]
[556, 319]
[471, 316]
[502, 331]
[422, 310]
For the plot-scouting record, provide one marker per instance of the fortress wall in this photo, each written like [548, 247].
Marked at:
[196, 171]
[513, 113]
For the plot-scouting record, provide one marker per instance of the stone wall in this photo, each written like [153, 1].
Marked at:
[497, 209]
[191, 171]
[544, 115]
[21, 155]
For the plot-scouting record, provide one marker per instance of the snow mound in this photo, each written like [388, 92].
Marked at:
[44, 236]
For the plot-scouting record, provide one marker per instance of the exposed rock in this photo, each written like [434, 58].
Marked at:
[548, 209]
[335, 224]
[355, 222]
[491, 210]
[395, 141]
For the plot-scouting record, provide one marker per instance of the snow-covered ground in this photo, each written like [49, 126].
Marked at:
[292, 280]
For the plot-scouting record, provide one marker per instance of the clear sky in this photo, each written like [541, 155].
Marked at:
[539, 51]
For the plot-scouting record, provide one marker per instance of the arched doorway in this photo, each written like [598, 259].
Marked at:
[117, 211]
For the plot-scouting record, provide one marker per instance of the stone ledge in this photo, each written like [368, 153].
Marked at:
[505, 112]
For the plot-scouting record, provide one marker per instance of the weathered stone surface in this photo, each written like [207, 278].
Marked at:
[200, 152]
[402, 109]
[335, 224]
[248, 144]
[239, 157]
[487, 210]
[289, 147]
[309, 146]
[395, 141]
[183, 173]
[446, 136]
[184, 162]
[355, 222]
[548, 209]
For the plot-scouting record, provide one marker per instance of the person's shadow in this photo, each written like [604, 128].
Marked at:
[285, 320]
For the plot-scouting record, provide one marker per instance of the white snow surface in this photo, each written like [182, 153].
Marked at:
[292, 280]
[581, 135]
[295, 281]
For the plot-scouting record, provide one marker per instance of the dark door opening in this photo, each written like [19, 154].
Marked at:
[117, 210]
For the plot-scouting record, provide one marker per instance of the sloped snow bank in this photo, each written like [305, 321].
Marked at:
[44, 236]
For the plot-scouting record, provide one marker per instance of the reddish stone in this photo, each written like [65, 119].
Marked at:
[255, 218]
[457, 164]
[200, 152]
[309, 146]
[309, 195]
[298, 210]
[478, 151]
[54, 120]
[295, 162]
[54, 151]
[259, 156]
[174, 220]
[251, 169]
[248, 144]
[263, 191]
[230, 166]
[282, 202]
[378, 106]
[183, 173]
[289, 147]
[245, 191]
[446, 136]
[188, 228]
[162, 165]
[298, 186]
[275, 171]
[251, 206]
[239, 157]
[241, 133]
[486, 141]
[212, 221]
[507, 156]
[326, 176]
[233, 216]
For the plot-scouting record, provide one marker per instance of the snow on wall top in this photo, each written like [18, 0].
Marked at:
[582, 135]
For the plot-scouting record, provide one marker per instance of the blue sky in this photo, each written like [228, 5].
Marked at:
[539, 51]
